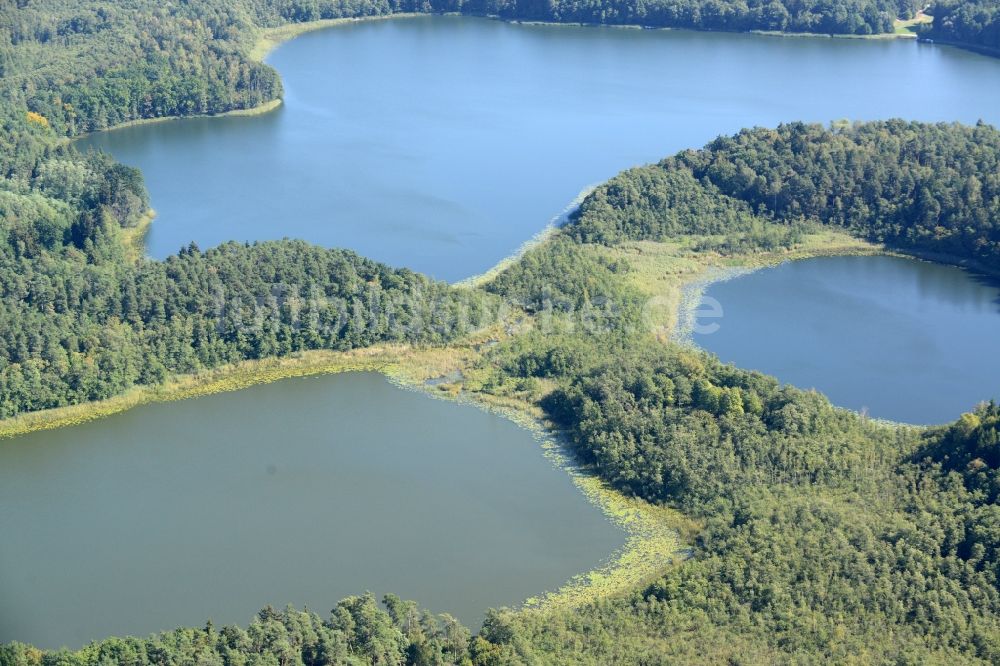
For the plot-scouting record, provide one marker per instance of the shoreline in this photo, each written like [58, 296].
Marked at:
[640, 26]
[545, 234]
[182, 387]
[268, 40]
[965, 46]
[972, 266]
[714, 273]
[402, 362]
[693, 289]
[878, 36]
[271, 38]
[723, 269]
[655, 537]
[258, 110]
[134, 238]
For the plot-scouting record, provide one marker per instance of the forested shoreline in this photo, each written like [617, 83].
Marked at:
[975, 24]
[913, 186]
[89, 65]
[825, 536]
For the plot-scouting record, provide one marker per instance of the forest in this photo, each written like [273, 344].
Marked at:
[84, 65]
[825, 536]
[918, 187]
[974, 23]
[73, 331]
[82, 320]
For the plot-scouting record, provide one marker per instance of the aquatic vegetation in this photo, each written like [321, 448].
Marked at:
[759, 516]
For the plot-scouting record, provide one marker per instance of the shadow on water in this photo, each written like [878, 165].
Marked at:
[990, 281]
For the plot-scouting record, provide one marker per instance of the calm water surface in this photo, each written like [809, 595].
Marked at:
[443, 143]
[303, 492]
[907, 340]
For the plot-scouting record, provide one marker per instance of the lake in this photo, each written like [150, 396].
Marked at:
[443, 143]
[302, 491]
[905, 340]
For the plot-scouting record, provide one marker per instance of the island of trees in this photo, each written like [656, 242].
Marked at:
[823, 535]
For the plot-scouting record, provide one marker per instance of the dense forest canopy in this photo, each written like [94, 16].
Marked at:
[84, 65]
[71, 332]
[825, 536]
[358, 632]
[973, 23]
[920, 187]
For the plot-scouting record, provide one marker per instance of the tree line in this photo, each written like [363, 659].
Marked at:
[86, 65]
[914, 186]
[825, 536]
[80, 323]
[358, 631]
[974, 23]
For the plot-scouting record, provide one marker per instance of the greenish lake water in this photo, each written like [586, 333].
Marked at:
[905, 340]
[443, 143]
[303, 491]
